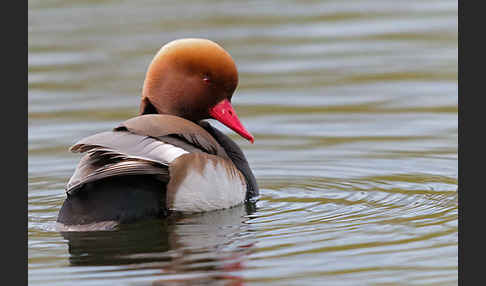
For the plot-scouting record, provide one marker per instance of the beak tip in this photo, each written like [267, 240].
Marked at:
[224, 113]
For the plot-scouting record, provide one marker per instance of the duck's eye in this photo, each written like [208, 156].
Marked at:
[206, 79]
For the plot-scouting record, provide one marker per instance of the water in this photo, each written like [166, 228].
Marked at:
[353, 105]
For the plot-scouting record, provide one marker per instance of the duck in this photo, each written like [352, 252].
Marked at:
[168, 159]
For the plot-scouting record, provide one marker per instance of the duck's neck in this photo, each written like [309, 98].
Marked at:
[146, 107]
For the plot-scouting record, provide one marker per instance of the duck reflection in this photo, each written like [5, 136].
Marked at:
[213, 241]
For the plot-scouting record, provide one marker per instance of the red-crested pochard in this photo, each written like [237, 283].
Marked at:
[167, 158]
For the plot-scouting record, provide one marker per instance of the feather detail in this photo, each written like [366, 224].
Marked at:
[116, 153]
[163, 125]
[130, 145]
[87, 171]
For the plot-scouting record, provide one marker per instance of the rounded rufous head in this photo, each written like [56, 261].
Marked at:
[194, 79]
[187, 77]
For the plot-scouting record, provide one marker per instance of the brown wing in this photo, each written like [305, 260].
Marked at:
[141, 145]
[163, 125]
[90, 169]
[116, 153]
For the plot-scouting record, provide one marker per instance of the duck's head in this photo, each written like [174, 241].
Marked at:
[194, 79]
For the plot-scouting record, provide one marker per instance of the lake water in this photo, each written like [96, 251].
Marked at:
[353, 105]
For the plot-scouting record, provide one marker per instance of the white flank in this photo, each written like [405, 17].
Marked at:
[214, 188]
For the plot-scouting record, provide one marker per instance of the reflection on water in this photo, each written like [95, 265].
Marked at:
[207, 246]
[225, 231]
[123, 246]
[353, 105]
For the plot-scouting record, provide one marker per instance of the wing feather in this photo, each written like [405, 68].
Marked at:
[163, 125]
[88, 171]
[116, 153]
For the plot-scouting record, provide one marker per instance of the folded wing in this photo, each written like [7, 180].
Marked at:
[143, 145]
